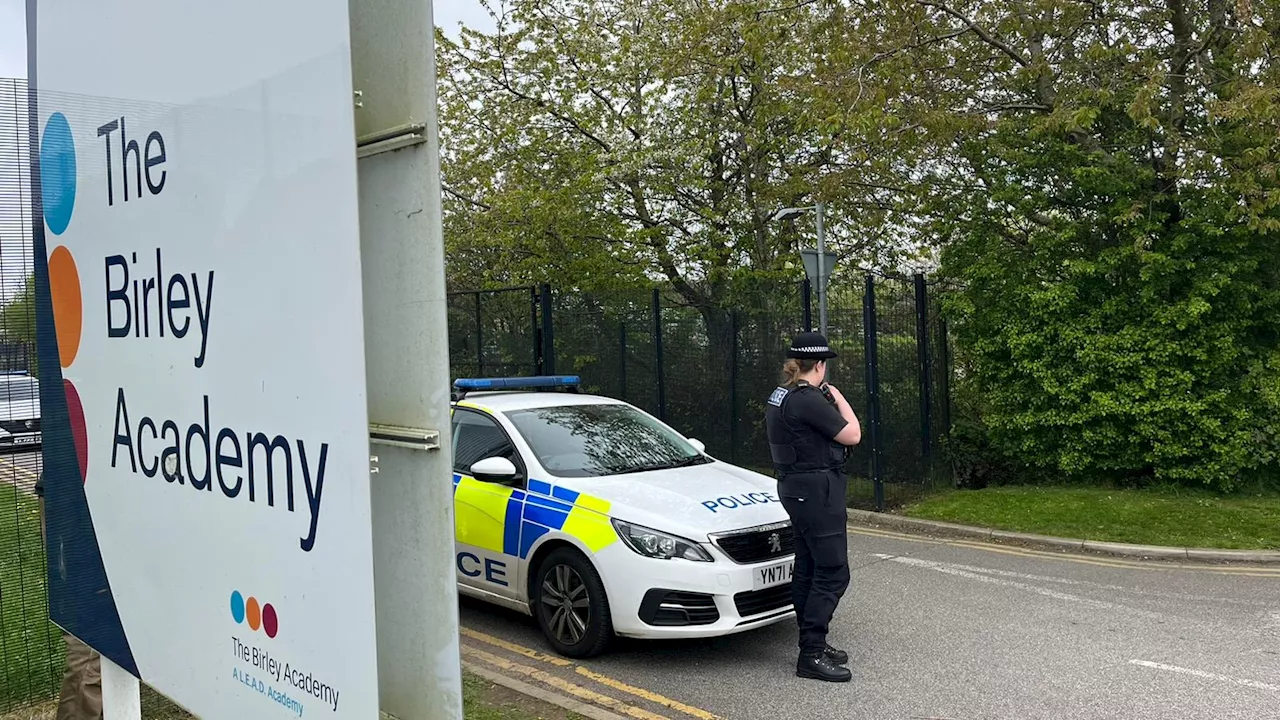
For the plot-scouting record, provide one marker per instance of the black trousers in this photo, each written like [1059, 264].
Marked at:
[815, 501]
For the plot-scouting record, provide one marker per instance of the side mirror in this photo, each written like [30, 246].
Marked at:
[697, 445]
[494, 470]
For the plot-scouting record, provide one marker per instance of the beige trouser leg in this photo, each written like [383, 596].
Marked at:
[81, 697]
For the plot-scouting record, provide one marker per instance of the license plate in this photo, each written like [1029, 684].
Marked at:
[26, 440]
[773, 575]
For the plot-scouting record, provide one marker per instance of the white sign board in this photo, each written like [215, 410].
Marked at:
[207, 476]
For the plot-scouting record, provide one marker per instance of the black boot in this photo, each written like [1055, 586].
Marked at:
[820, 667]
[838, 657]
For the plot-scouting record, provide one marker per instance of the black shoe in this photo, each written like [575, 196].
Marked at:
[838, 657]
[820, 667]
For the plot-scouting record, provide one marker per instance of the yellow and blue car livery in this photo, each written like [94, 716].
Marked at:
[526, 516]
[731, 547]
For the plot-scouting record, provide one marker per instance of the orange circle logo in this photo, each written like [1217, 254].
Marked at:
[68, 309]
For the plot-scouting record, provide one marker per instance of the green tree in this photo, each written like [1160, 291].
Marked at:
[18, 321]
[605, 142]
[1111, 215]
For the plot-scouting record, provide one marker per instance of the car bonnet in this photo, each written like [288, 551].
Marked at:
[691, 501]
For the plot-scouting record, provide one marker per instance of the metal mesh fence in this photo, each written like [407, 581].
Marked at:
[707, 371]
[493, 332]
[30, 645]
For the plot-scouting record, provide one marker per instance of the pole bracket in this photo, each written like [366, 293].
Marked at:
[405, 437]
[395, 138]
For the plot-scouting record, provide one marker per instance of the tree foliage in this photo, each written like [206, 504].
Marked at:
[611, 141]
[1115, 233]
[1100, 179]
[18, 321]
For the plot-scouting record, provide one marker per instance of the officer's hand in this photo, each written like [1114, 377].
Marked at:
[835, 392]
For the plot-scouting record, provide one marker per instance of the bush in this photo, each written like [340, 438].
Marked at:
[1131, 354]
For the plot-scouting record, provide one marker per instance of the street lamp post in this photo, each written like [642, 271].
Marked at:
[822, 274]
[822, 269]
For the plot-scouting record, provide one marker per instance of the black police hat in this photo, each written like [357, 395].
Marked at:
[810, 346]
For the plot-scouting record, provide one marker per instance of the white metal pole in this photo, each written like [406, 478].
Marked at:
[121, 693]
[407, 359]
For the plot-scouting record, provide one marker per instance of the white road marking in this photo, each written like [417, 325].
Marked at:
[959, 571]
[1103, 586]
[1206, 675]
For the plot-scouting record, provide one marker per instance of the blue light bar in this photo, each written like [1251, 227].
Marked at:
[517, 383]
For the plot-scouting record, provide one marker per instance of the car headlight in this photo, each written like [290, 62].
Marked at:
[655, 544]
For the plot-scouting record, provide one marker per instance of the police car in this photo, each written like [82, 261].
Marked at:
[600, 521]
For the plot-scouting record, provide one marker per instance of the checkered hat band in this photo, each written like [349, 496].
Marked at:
[811, 349]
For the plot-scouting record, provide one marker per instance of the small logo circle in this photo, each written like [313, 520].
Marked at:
[237, 607]
[253, 613]
[270, 623]
[57, 173]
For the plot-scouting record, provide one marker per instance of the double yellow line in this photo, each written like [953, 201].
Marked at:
[1158, 565]
[8, 463]
[562, 685]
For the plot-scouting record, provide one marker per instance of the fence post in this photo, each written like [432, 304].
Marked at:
[622, 360]
[944, 362]
[548, 332]
[657, 344]
[873, 387]
[733, 388]
[922, 352]
[807, 302]
[479, 337]
[536, 332]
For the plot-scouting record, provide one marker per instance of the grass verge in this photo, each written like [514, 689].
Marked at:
[483, 700]
[1176, 518]
[31, 647]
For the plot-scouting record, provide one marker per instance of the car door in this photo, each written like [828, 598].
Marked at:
[486, 514]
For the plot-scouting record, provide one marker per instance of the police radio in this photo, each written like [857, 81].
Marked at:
[826, 393]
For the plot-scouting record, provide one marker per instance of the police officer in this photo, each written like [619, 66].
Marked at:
[810, 427]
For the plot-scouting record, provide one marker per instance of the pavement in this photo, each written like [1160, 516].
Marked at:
[952, 629]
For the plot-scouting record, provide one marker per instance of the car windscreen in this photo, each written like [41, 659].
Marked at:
[25, 390]
[605, 439]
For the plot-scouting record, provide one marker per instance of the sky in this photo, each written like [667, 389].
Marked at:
[13, 29]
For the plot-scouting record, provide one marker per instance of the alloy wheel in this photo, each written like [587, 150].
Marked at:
[566, 604]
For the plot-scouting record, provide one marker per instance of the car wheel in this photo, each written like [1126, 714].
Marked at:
[570, 604]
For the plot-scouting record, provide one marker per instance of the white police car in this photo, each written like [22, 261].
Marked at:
[599, 520]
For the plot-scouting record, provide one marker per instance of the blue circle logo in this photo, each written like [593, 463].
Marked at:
[237, 607]
[57, 173]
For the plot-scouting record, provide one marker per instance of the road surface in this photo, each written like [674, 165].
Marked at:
[21, 469]
[954, 630]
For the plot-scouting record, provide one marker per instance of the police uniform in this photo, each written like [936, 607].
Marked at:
[802, 424]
